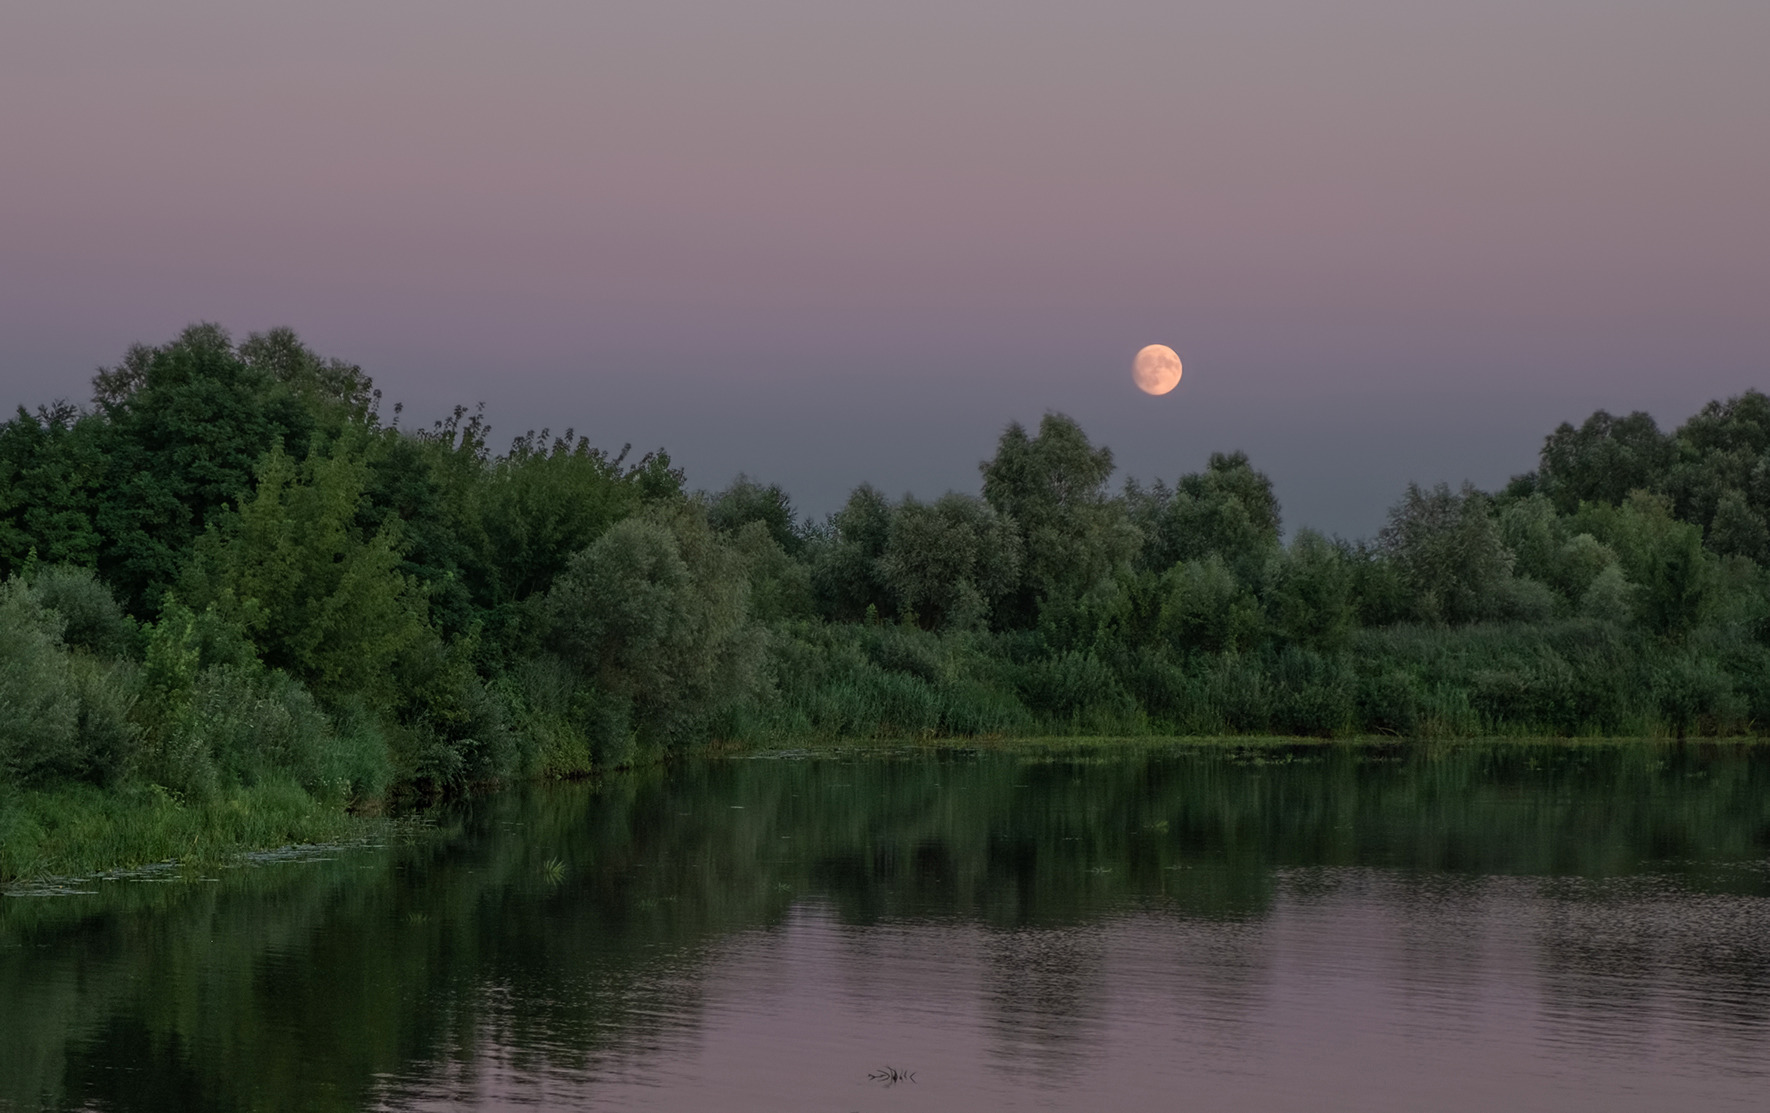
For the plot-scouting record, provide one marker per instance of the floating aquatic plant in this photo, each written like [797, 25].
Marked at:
[891, 1076]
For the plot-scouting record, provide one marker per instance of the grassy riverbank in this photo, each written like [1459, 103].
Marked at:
[78, 830]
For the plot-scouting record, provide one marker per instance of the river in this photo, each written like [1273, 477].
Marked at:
[1111, 927]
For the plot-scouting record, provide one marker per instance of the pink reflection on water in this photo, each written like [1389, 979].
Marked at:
[1362, 990]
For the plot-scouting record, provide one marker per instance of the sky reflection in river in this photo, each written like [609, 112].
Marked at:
[1360, 990]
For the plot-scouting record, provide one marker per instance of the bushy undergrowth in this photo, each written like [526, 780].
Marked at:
[1576, 677]
[106, 760]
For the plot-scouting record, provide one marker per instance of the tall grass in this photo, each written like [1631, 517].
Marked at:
[1573, 678]
[75, 829]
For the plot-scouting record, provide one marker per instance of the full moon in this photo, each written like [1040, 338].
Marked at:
[1156, 369]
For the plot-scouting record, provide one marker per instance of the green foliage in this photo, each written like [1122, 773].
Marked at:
[1738, 528]
[1603, 460]
[545, 501]
[846, 577]
[780, 587]
[62, 714]
[229, 575]
[1665, 557]
[1053, 486]
[1080, 692]
[336, 394]
[319, 599]
[185, 425]
[449, 729]
[1557, 568]
[888, 681]
[1308, 593]
[747, 501]
[1537, 536]
[655, 618]
[1228, 509]
[214, 718]
[1206, 609]
[52, 468]
[1449, 553]
[1721, 480]
[1714, 470]
[949, 563]
[428, 487]
[91, 618]
[76, 829]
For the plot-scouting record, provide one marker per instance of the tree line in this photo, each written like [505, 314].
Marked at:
[229, 568]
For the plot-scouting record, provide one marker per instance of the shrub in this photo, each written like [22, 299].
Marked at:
[1077, 690]
[1694, 695]
[61, 714]
[1389, 702]
[1206, 609]
[39, 710]
[91, 617]
[1314, 693]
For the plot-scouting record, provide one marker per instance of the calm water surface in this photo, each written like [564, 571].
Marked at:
[1311, 928]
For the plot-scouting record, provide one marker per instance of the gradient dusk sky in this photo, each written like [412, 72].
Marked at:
[828, 242]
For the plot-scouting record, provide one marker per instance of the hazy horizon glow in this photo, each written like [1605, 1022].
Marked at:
[833, 243]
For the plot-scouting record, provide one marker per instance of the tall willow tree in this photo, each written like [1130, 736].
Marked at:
[653, 620]
[950, 562]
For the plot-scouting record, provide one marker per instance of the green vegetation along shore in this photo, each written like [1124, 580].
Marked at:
[237, 604]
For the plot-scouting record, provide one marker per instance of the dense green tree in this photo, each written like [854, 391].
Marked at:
[1228, 509]
[89, 615]
[546, 500]
[747, 501]
[39, 713]
[1536, 534]
[335, 393]
[1549, 551]
[1715, 469]
[429, 487]
[1449, 553]
[654, 616]
[949, 562]
[1205, 608]
[1380, 596]
[1053, 485]
[52, 469]
[63, 713]
[1677, 578]
[1738, 528]
[1308, 593]
[780, 585]
[185, 426]
[320, 599]
[1603, 460]
[846, 576]
[1721, 479]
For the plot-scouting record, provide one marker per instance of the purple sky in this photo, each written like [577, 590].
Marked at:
[832, 242]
